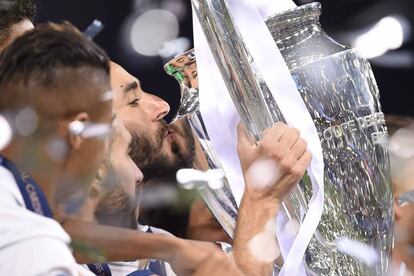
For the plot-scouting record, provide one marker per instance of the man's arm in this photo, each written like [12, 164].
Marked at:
[218, 264]
[271, 171]
[118, 244]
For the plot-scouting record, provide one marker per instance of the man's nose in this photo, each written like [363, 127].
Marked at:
[160, 108]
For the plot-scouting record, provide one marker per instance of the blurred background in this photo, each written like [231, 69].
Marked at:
[142, 35]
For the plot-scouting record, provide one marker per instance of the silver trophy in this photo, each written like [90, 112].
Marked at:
[219, 199]
[341, 94]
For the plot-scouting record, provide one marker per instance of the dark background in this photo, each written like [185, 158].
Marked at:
[338, 17]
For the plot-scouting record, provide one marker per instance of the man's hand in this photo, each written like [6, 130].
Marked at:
[271, 170]
[188, 255]
[273, 166]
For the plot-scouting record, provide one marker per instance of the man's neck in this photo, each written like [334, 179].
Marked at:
[118, 218]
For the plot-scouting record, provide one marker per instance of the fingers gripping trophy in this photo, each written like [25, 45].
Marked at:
[340, 94]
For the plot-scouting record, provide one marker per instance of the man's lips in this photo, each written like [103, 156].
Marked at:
[170, 134]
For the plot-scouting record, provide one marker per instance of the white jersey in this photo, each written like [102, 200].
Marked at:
[31, 244]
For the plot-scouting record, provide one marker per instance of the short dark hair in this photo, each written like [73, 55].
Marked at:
[13, 12]
[38, 53]
[37, 67]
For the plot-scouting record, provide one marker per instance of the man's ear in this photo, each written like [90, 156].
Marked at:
[75, 139]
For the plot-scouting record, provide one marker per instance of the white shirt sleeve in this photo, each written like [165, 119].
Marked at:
[37, 256]
[31, 244]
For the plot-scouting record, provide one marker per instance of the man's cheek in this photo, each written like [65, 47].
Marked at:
[132, 124]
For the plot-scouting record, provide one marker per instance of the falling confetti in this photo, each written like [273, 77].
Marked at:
[6, 133]
[107, 96]
[93, 29]
[358, 250]
[190, 178]
[264, 246]
[264, 172]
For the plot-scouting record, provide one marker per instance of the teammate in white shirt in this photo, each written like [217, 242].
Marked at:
[52, 83]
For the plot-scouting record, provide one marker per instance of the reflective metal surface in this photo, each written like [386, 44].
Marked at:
[340, 91]
[341, 94]
[184, 69]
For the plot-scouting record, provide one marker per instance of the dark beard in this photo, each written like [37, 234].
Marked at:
[159, 170]
[155, 164]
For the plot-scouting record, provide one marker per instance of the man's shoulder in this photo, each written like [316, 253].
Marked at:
[33, 245]
[18, 223]
[38, 256]
[21, 225]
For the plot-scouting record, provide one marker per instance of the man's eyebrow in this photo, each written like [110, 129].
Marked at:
[130, 86]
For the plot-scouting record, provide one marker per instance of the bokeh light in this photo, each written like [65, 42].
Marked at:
[402, 143]
[177, 7]
[26, 121]
[174, 47]
[56, 149]
[388, 34]
[5, 5]
[151, 30]
[161, 195]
